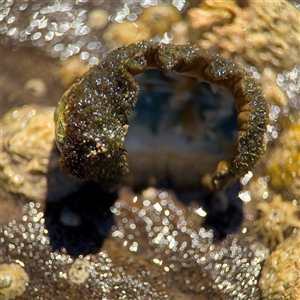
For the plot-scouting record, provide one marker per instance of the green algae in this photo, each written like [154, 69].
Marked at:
[92, 116]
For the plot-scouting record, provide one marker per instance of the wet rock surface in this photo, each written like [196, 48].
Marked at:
[157, 249]
[160, 229]
[113, 250]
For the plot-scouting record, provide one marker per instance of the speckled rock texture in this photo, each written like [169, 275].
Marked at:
[158, 249]
[145, 244]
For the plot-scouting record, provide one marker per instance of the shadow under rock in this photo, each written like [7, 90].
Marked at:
[224, 212]
[81, 221]
[224, 209]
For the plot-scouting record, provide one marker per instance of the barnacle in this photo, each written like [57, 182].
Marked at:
[160, 18]
[92, 116]
[71, 70]
[276, 217]
[13, 280]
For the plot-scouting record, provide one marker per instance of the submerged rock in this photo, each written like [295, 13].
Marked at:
[157, 249]
[160, 229]
[106, 272]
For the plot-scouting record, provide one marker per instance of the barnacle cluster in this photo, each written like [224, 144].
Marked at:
[92, 148]
[284, 163]
[26, 162]
[224, 27]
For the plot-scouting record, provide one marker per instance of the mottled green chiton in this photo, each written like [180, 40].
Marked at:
[92, 116]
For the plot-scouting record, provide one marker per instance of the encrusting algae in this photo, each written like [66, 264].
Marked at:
[92, 116]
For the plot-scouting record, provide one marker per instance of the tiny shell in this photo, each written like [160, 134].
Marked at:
[36, 87]
[79, 271]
